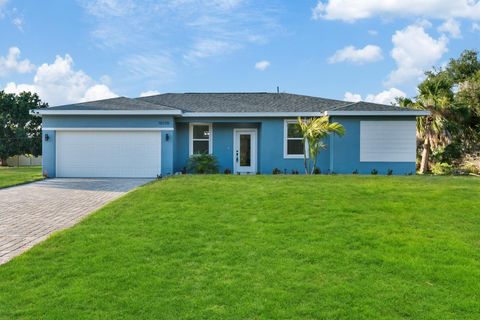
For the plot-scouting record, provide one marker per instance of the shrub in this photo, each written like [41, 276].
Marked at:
[202, 163]
[317, 171]
[276, 171]
[294, 171]
[374, 172]
[442, 168]
[389, 172]
[471, 164]
[355, 171]
[227, 171]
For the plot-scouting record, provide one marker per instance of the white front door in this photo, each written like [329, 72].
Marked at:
[245, 151]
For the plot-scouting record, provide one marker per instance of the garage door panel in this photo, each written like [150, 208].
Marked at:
[108, 153]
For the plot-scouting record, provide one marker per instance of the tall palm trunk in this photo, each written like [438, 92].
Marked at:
[426, 146]
[425, 155]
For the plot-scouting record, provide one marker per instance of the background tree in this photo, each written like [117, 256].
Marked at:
[20, 132]
[314, 131]
[436, 96]
[465, 75]
[452, 95]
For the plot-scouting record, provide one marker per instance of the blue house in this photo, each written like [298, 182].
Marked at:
[248, 133]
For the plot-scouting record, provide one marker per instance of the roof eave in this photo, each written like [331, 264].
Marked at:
[250, 114]
[41, 112]
[417, 113]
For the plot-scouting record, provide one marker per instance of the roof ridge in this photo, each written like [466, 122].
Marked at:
[241, 92]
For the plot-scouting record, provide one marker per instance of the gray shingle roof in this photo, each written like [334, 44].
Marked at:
[229, 102]
[368, 106]
[244, 102]
[120, 103]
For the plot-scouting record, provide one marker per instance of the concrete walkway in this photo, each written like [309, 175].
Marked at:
[31, 212]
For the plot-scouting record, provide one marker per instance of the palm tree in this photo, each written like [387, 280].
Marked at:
[435, 95]
[313, 131]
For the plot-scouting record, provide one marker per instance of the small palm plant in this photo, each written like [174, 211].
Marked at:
[314, 131]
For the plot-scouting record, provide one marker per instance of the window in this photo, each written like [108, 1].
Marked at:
[200, 138]
[293, 144]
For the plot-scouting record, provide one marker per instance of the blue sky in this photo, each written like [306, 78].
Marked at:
[79, 50]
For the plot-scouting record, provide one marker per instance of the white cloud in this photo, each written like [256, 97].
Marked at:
[475, 27]
[351, 10]
[152, 66]
[11, 63]
[186, 30]
[98, 92]
[149, 93]
[206, 48]
[451, 27]
[18, 22]
[106, 80]
[101, 8]
[352, 97]
[2, 4]
[262, 65]
[58, 83]
[369, 53]
[414, 52]
[373, 32]
[384, 97]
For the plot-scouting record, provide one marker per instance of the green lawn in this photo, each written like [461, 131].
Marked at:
[10, 176]
[262, 247]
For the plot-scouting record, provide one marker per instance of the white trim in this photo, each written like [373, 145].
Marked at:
[378, 113]
[285, 142]
[104, 112]
[109, 129]
[39, 112]
[253, 155]
[190, 136]
[251, 114]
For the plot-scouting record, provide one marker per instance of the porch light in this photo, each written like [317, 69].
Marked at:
[47, 137]
[167, 137]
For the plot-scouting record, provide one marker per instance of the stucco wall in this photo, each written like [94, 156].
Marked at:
[342, 154]
[270, 144]
[50, 123]
[345, 154]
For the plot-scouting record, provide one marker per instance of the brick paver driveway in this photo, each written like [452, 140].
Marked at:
[30, 213]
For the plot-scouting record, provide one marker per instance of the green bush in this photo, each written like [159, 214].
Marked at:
[471, 164]
[276, 171]
[202, 164]
[442, 168]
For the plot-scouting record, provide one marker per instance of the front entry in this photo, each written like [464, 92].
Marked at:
[245, 151]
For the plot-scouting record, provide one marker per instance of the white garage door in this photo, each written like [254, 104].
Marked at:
[122, 154]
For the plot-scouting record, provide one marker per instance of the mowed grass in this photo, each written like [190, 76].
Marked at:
[262, 247]
[11, 176]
